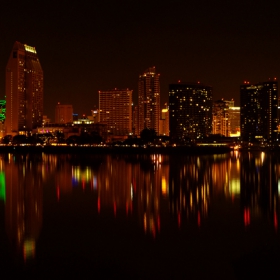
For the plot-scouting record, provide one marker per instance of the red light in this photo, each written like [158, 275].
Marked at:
[98, 204]
[179, 219]
[246, 216]
[115, 208]
[158, 223]
[198, 219]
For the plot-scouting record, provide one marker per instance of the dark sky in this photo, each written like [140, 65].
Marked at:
[86, 46]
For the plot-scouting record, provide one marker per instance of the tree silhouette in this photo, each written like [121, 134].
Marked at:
[148, 135]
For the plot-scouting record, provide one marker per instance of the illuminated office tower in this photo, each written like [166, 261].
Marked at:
[190, 111]
[115, 110]
[258, 111]
[234, 116]
[221, 121]
[24, 90]
[164, 122]
[63, 113]
[148, 101]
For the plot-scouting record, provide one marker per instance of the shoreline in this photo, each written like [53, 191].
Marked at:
[115, 150]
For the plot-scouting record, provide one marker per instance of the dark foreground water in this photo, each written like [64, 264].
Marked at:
[139, 216]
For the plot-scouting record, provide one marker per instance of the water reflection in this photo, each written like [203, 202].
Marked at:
[22, 185]
[156, 190]
[259, 176]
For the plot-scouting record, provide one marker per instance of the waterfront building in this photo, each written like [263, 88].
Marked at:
[221, 121]
[190, 110]
[115, 110]
[135, 120]
[46, 120]
[24, 90]
[148, 101]
[164, 122]
[258, 111]
[95, 116]
[63, 113]
[234, 116]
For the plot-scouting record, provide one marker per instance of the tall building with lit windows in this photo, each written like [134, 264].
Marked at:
[115, 110]
[221, 120]
[258, 111]
[24, 90]
[190, 111]
[148, 101]
[164, 122]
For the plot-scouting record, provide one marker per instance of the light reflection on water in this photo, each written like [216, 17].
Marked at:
[166, 196]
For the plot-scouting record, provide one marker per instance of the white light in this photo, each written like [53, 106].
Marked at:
[29, 49]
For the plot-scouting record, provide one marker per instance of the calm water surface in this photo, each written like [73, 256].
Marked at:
[139, 216]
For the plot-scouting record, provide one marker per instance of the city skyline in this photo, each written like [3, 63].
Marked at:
[87, 47]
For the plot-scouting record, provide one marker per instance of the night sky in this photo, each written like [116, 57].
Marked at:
[86, 46]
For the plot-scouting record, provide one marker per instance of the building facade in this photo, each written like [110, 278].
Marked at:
[190, 111]
[164, 122]
[115, 110]
[24, 90]
[234, 116]
[221, 120]
[63, 113]
[148, 101]
[258, 111]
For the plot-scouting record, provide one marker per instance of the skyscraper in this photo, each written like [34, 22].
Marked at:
[115, 108]
[24, 90]
[258, 111]
[190, 111]
[164, 122]
[221, 121]
[234, 116]
[63, 113]
[148, 101]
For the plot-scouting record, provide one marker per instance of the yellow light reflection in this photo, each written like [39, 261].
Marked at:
[262, 157]
[163, 186]
[234, 186]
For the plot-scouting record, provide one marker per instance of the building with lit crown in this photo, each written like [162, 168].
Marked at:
[115, 110]
[164, 122]
[24, 90]
[148, 101]
[234, 116]
[258, 111]
[190, 111]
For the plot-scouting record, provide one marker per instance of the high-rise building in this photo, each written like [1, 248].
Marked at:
[148, 101]
[258, 111]
[221, 121]
[24, 90]
[164, 122]
[115, 110]
[63, 113]
[234, 116]
[190, 111]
